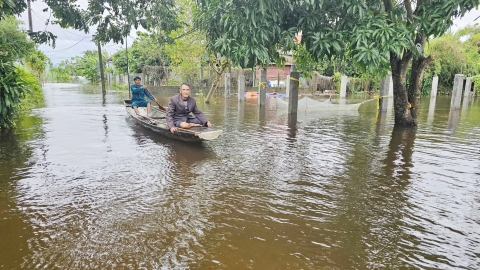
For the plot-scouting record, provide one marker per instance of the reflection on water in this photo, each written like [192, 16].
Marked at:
[84, 187]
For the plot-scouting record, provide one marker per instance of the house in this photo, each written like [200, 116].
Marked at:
[278, 75]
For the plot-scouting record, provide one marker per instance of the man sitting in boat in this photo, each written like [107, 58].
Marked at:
[139, 91]
[179, 108]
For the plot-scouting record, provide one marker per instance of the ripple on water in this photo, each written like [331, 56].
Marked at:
[338, 191]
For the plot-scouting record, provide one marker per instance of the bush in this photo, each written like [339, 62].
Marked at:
[33, 97]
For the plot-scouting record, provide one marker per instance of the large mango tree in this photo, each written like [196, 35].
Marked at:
[377, 36]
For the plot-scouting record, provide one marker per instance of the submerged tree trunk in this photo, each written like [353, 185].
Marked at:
[407, 101]
[403, 115]
[416, 79]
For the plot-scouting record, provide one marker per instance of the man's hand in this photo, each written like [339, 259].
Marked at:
[173, 129]
[209, 124]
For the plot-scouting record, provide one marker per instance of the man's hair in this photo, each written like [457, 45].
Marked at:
[137, 78]
[183, 85]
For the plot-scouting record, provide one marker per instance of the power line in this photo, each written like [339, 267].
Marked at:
[63, 29]
[66, 49]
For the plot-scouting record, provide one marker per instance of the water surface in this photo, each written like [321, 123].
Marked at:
[84, 187]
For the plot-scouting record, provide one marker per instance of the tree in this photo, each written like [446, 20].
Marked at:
[375, 35]
[64, 72]
[188, 49]
[88, 66]
[145, 51]
[37, 62]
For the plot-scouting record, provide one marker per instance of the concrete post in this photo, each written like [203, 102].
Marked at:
[241, 87]
[262, 88]
[293, 98]
[287, 86]
[125, 78]
[343, 87]
[457, 92]
[390, 86]
[384, 103]
[453, 118]
[433, 93]
[227, 84]
[292, 125]
[431, 110]
[468, 88]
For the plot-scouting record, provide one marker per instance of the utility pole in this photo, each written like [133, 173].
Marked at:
[100, 60]
[30, 24]
[128, 71]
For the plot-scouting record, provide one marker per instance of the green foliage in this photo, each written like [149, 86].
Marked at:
[364, 31]
[305, 64]
[433, 70]
[188, 49]
[11, 7]
[14, 82]
[58, 75]
[476, 80]
[14, 44]
[12, 91]
[365, 82]
[113, 19]
[337, 79]
[33, 90]
[37, 61]
[454, 53]
[119, 86]
[144, 51]
[88, 66]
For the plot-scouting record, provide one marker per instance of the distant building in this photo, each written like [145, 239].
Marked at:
[278, 75]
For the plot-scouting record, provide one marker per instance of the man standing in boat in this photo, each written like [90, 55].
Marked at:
[139, 92]
[179, 109]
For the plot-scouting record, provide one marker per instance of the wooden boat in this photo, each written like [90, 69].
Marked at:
[158, 124]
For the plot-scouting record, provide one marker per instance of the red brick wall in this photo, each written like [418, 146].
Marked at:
[274, 71]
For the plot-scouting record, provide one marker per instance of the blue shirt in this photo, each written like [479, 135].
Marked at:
[139, 93]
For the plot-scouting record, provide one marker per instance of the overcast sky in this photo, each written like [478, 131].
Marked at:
[71, 42]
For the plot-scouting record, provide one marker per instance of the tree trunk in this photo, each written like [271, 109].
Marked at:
[213, 88]
[218, 76]
[416, 79]
[403, 116]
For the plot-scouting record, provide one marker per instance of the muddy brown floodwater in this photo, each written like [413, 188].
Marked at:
[83, 187]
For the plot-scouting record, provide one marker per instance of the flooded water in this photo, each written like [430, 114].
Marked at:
[83, 187]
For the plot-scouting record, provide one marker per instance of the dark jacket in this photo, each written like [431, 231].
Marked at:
[176, 110]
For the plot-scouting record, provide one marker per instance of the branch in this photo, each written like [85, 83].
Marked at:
[388, 5]
[212, 65]
[408, 7]
[424, 62]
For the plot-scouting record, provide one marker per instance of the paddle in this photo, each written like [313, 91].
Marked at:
[159, 106]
